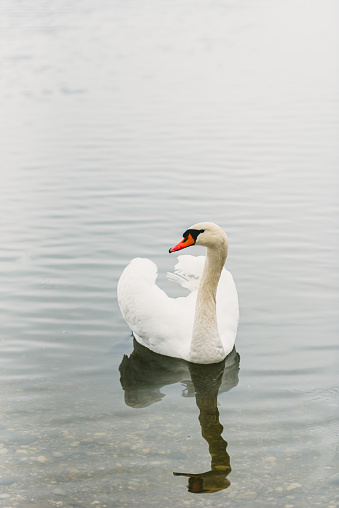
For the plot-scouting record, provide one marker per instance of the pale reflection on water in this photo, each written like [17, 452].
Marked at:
[123, 123]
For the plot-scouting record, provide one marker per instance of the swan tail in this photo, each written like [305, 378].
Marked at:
[188, 271]
[185, 280]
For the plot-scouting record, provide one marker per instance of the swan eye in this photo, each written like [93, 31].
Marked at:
[194, 233]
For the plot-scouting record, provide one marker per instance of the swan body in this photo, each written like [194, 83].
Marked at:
[199, 328]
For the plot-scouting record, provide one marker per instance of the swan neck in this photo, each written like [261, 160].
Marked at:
[214, 264]
[206, 343]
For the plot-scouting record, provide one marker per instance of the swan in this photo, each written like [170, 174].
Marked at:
[200, 327]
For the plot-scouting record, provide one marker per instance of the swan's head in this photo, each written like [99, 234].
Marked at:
[206, 234]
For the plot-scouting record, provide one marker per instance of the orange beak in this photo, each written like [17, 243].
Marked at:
[186, 242]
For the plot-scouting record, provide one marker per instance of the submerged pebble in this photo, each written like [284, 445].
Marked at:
[59, 492]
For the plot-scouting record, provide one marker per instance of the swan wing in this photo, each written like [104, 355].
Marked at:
[160, 323]
[227, 310]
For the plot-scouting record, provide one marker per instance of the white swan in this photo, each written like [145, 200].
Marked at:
[199, 328]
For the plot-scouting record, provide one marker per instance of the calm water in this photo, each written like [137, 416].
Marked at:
[123, 123]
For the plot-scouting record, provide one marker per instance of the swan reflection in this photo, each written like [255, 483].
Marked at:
[144, 373]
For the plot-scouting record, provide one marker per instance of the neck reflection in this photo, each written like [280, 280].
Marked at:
[144, 373]
[207, 380]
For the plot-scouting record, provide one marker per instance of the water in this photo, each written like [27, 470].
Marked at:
[121, 125]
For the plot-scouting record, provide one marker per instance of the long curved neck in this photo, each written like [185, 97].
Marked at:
[206, 343]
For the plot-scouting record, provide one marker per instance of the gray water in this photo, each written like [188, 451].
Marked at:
[123, 123]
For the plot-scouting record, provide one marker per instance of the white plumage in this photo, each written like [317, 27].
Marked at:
[200, 327]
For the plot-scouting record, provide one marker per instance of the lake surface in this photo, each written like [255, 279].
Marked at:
[122, 124]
